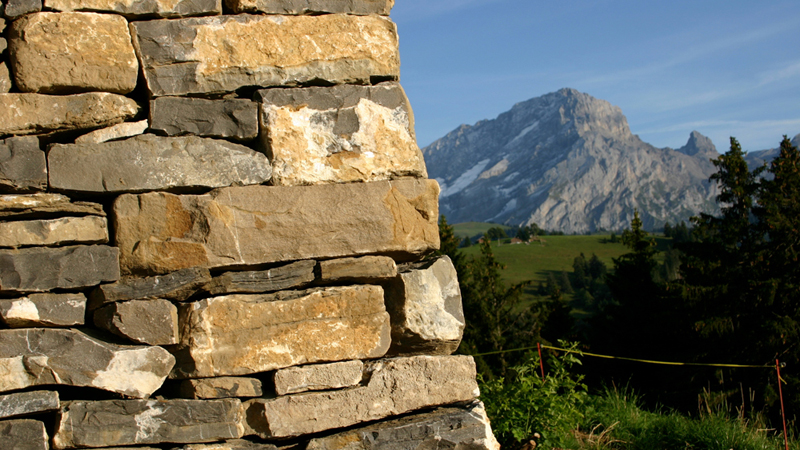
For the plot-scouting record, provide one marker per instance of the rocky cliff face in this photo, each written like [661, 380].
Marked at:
[568, 161]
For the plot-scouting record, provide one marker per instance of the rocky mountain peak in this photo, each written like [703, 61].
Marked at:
[698, 145]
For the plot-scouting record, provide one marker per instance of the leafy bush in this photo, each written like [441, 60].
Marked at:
[524, 404]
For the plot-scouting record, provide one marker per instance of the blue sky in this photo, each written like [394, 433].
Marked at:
[721, 67]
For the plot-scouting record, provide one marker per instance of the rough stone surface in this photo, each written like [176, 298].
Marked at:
[220, 387]
[130, 422]
[396, 386]
[5, 76]
[42, 206]
[363, 269]
[150, 162]
[137, 8]
[44, 310]
[18, 8]
[425, 305]
[234, 444]
[43, 356]
[39, 113]
[58, 53]
[39, 269]
[26, 403]
[66, 230]
[361, 7]
[22, 165]
[245, 334]
[339, 134]
[177, 286]
[290, 276]
[152, 322]
[223, 53]
[118, 131]
[224, 118]
[453, 428]
[160, 232]
[318, 377]
[23, 434]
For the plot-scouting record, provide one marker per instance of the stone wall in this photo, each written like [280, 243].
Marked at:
[213, 219]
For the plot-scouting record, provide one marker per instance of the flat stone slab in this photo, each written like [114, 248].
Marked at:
[177, 286]
[235, 444]
[18, 8]
[26, 403]
[194, 56]
[136, 8]
[151, 322]
[396, 386]
[41, 269]
[41, 205]
[149, 162]
[361, 7]
[362, 269]
[131, 422]
[57, 53]
[245, 334]
[47, 356]
[239, 226]
[44, 310]
[39, 113]
[424, 302]
[290, 276]
[454, 428]
[318, 377]
[23, 167]
[224, 118]
[339, 134]
[118, 131]
[23, 434]
[48, 232]
[220, 387]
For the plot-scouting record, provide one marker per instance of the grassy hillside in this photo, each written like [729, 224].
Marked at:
[469, 229]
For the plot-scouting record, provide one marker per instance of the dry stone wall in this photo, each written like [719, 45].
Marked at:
[214, 219]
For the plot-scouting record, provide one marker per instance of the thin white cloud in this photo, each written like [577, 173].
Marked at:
[791, 70]
[789, 124]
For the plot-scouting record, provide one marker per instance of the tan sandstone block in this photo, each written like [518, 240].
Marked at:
[245, 334]
[160, 232]
[318, 377]
[61, 231]
[61, 53]
[223, 53]
[136, 8]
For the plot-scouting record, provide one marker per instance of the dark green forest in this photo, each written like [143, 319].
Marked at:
[726, 291]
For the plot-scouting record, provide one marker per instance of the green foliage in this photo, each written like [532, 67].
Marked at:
[495, 233]
[523, 404]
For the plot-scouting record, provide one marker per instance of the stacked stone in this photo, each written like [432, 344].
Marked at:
[213, 225]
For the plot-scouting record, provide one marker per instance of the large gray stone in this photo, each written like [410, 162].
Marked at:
[118, 131]
[61, 231]
[22, 165]
[39, 269]
[245, 334]
[396, 386]
[45, 356]
[452, 428]
[42, 206]
[224, 53]
[39, 113]
[362, 269]
[131, 422]
[44, 310]
[18, 8]
[27, 403]
[151, 322]
[290, 276]
[339, 134]
[150, 162]
[58, 53]
[224, 118]
[361, 7]
[177, 286]
[318, 377]
[160, 232]
[23, 434]
[139, 8]
[220, 387]
[424, 302]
